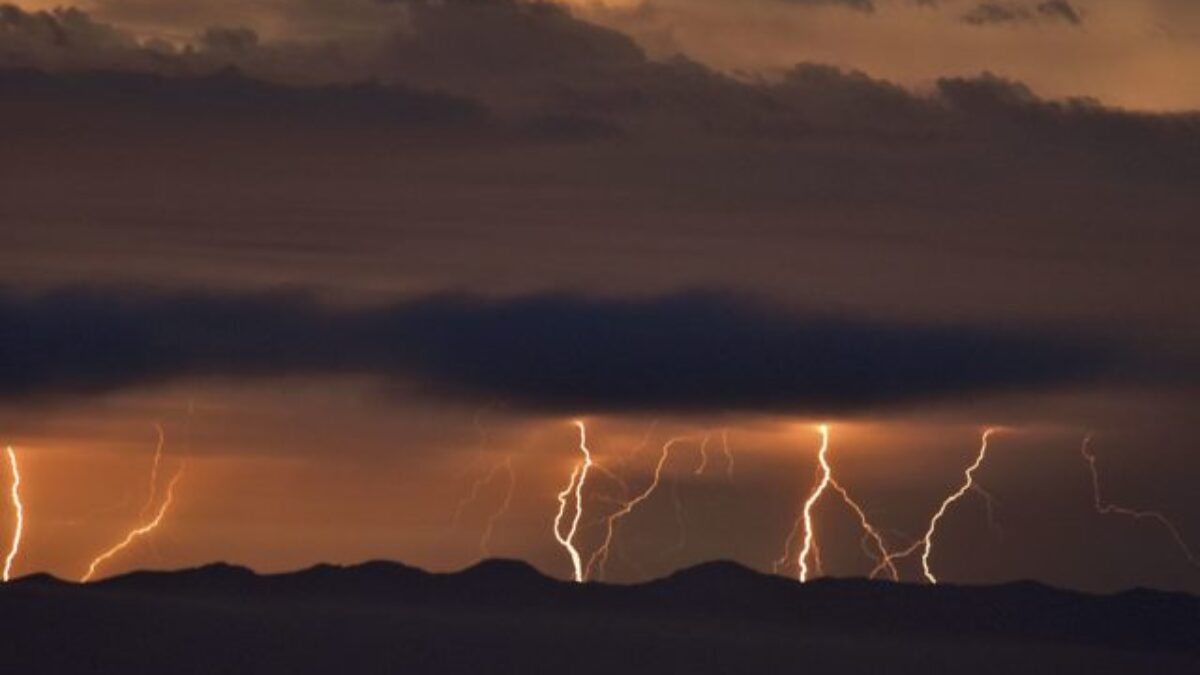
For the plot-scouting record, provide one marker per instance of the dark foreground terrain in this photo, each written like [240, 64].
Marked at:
[504, 617]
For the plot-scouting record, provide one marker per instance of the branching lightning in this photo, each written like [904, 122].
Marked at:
[578, 478]
[137, 532]
[803, 547]
[870, 532]
[599, 558]
[490, 526]
[810, 547]
[810, 552]
[703, 455]
[925, 543]
[152, 492]
[989, 503]
[1106, 509]
[476, 487]
[968, 484]
[480, 482]
[19, 512]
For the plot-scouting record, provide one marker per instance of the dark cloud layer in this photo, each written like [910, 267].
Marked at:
[551, 73]
[972, 164]
[857, 5]
[694, 351]
[991, 13]
[227, 96]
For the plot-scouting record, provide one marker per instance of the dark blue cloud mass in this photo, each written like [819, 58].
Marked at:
[557, 352]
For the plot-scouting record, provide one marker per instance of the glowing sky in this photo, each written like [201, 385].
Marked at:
[353, 256]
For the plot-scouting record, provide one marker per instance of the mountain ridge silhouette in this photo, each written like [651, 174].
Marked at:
[309, 620]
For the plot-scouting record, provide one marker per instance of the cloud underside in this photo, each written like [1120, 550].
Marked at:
[697, 351]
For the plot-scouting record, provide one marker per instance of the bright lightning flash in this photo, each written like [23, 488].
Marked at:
[967, 486]
[925, 543]
[1112, 509]
[578, 477]
[810, 539]
[811, 550]
[18, 509]
[138, 532]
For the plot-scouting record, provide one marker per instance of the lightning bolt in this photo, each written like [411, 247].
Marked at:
[599, 558]
[19, 509]
[138, 532]
[870, 532]
[968, 484]
[989, 502]
[703, 455]
[153, 491]
[486, 538]
[728, 454]
[1106, 509]
[578, 478]
[478, 483]
[811, 549]
[473, 494]
[925, 543]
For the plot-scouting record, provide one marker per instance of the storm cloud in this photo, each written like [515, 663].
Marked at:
[558, 352]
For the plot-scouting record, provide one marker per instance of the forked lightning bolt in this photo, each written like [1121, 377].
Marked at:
[870, 532]
[810, 547]
[599, 559]
[138, 532]
[578, 478]
[968, 484]
[14, 492]
[1105, 509]
[925, 543]
[811, 550]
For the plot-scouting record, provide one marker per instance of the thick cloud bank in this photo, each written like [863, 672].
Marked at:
[696, 351]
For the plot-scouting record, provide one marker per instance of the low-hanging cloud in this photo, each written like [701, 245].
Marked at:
[993, 13]
[558, 352]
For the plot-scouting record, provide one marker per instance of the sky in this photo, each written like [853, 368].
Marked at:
[358, 260]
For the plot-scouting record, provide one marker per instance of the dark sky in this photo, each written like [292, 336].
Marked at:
[354, 255]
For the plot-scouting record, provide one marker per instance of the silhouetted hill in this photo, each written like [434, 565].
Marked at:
[505, 616]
